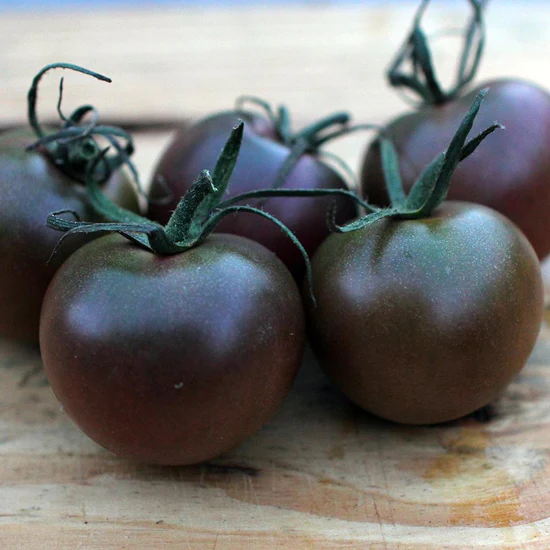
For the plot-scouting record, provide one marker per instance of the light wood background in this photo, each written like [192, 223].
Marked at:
[321, 474]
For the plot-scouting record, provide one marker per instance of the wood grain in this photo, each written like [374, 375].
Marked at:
[321, 474]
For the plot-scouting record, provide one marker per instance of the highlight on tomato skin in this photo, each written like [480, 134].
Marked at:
[511, 172]
[172, 359]
[38, 176]
[263, 156]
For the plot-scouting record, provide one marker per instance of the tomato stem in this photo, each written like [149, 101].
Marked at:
[197, 214]
[308, 140]
[432, 186]
[265, 193]
[74, 147]
[415, 53]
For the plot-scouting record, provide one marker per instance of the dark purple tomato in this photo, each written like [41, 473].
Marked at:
[31, 187]
[509, 172]
[261, 157]
[424, 321]
[172, 359]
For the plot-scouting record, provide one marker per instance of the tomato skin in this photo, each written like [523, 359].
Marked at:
[172, 359]
[260, 159]
[510, 172]
[428, 320]
[30, 189]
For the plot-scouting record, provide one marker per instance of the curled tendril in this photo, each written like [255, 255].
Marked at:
[74, 146]
[421, 78]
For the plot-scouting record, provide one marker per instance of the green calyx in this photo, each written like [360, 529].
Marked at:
[196, 216]
[432, 186]
[421, 78]
[74, 148]
[310, 139]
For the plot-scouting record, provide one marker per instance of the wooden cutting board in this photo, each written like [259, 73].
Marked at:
[321, 474]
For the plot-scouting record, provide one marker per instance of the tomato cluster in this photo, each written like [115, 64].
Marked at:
[177, 335]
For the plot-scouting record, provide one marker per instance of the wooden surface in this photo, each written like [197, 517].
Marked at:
[321, 474]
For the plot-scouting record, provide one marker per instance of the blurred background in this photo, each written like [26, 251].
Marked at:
[172, 62]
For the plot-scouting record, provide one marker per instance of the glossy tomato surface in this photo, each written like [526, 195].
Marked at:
[172, 359]
[510, 172]
[260, 160]
[31, 187]
[428, 320]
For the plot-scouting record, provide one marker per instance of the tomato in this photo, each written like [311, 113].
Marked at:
[424, 321]
[171, 359]
[426, 309]
[510, 173]
[31, 187]
[263, 153]
[34, 183]
[176, 344]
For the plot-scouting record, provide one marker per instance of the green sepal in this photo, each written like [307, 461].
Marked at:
[390, 169]
[135, 231]
[427, 193]
[432, 186]
[415, 53]
[221, 176]
[218, 216]
[314, 132]
[258, 102]
[363, 222]
[423, 59]
[186, 222]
